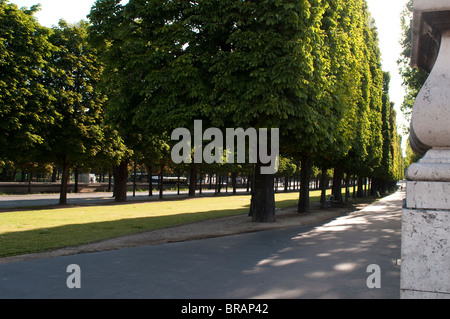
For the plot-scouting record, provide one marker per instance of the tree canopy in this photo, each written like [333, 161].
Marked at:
[25, 99]
[111, 90]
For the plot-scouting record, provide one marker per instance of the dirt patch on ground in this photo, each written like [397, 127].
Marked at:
[199, 230]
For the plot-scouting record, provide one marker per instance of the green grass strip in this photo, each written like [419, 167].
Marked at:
[30, 231]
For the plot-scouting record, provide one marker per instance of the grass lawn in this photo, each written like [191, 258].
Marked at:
[23, 232]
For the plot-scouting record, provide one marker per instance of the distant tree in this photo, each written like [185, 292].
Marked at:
[334, 92]
[366, 141]
[352, 144]
[389, 169]
[411, 157]
[76, 133]
[287, 169]
[413, 78]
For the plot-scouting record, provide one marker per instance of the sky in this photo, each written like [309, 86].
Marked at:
[385, 12]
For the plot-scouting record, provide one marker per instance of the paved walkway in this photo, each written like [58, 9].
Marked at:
[324, 260]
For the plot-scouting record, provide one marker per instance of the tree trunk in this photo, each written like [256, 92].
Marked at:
[263, 197]
[217, 190]
[305, 176]
[347, 187]
[226, 183]
[109, 181]
[134, 178]
[192, 180]
[30, 178]
[365, 186]
[360, 191]
[161, 182]
[76, 173]
[323, 187]
[64, 182]
[150, 181]
[115, 175]
[337, 183]
[210, 180]
[252, 192]
[120, 182]
[54, 175]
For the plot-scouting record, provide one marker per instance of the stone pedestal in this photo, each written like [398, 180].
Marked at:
[425, 271]
[425, 254]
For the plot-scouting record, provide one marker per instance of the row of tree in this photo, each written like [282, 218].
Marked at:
[111, 91]
[52, 110]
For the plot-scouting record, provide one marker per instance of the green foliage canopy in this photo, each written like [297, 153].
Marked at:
[25, 99]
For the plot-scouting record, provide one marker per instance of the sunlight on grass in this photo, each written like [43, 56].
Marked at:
[40, 230]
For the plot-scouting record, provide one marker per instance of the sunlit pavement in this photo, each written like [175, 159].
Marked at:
[332, 259]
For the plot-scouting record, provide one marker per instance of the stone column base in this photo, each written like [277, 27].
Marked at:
[425, 269]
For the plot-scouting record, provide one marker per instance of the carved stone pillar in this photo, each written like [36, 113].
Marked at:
[425, 271]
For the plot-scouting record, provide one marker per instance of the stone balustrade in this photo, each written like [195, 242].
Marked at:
[425, 271]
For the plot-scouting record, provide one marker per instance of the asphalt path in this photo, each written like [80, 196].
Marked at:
[331, 259]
